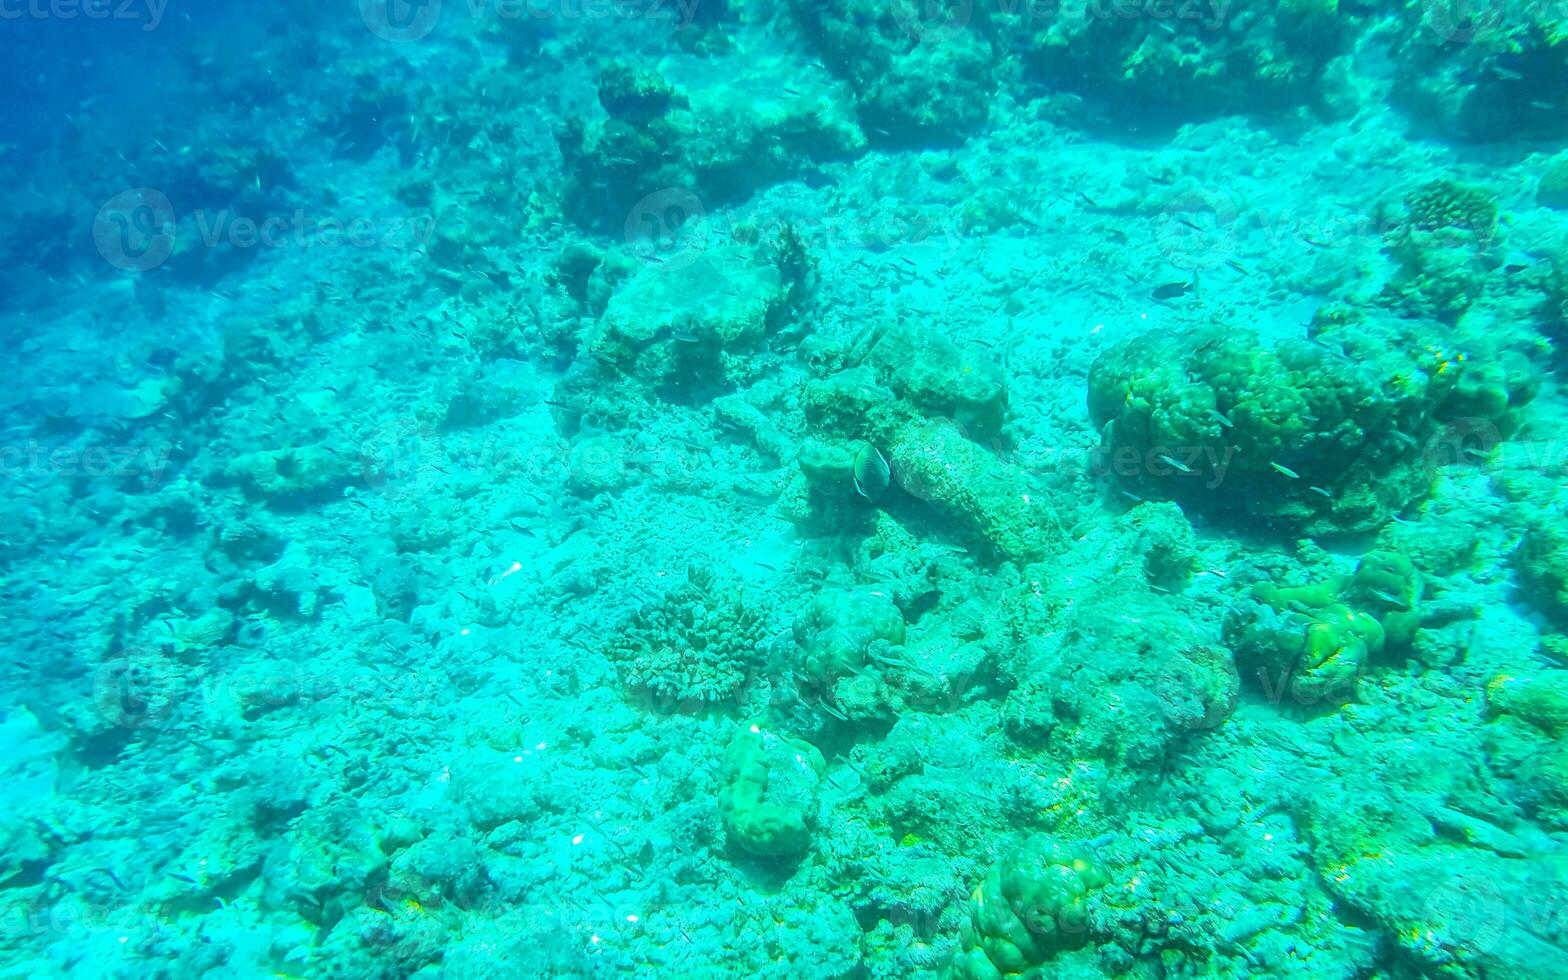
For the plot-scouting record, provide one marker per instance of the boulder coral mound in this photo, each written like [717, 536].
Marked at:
[768, 798]
[1033, 905]
[1336, 433]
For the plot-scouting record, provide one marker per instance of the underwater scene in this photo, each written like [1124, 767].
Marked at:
[859, 489]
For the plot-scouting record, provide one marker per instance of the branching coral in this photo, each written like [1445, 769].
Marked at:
[699, 646]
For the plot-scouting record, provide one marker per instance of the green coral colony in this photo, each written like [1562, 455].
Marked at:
[842, 491]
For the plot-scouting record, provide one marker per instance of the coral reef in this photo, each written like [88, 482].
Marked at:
[660, 143]
[1184, 59]
[913, 77]
[1335, 433]
[1481, 75]
[845, 489]
[1314, 643]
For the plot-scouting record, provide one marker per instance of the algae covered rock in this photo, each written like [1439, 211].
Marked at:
[1482, 73]
[295, 476]
[672, 324]
[705, 138]
[1034, 904]
[768, 796]
[1552, 189]
[1164, 538]
[1542, 560]
[1116, 678]
[1527, 716]
[842, 629]
[331, 856]
[845, 638]
[936, 413]
[993, 501]
[1186, 59]
[914, 76]
[932, 373]
[854, 404]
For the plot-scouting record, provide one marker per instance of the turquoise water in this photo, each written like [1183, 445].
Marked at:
[837, 488]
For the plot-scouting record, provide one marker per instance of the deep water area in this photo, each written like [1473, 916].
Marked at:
[862, 489]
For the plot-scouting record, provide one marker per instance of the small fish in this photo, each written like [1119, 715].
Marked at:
[1391, 599]
[1176, 464]
[1190, 224]
[1321, 492]
[1221, 419]
[872, 473]
[1287, 471]
[1403, 437]
[1171, 290]
[1237, 266]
